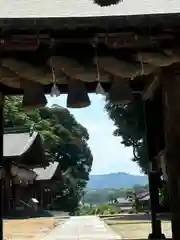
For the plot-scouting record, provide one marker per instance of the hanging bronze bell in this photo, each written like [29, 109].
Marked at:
[120, 92]
[77, 94]
[34, 96]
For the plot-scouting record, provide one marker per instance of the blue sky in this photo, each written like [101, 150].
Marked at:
[108, 152]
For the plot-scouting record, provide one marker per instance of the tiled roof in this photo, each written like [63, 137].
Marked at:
[143, 195]
[15, 144]
[145, 198]
[123, 200]
[83, 8]
[46, 173]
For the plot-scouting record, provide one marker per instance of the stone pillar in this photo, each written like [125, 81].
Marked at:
[171, 97]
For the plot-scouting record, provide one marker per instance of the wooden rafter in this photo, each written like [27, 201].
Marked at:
[126, 54]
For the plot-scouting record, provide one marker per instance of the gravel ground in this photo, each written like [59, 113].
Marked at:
[137, 229]
[26, 229]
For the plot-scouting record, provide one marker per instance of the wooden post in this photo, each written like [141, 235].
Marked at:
[1, 159]
[41, 195]
[171, 97]
[14, 188]
[152, 147]
[153, 143]
[52, 200]
[7, 193]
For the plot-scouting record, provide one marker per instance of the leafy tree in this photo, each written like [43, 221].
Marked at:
[129, 122]
[64, 139]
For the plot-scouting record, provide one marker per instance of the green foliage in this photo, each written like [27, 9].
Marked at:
[64, 139]
[129, 122]
[111, 195]
[103, 196]
[104, 209]
[87, 210]
[101, 209]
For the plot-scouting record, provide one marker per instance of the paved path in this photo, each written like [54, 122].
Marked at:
[82, 228]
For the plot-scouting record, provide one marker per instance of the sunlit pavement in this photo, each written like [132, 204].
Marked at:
[82, 228]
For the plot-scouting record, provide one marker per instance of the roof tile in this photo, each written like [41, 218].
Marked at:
[46, 173]
[15, 144]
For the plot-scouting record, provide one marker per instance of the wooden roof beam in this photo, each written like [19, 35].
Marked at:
[137, 88]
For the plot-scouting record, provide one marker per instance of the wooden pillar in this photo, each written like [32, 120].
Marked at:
[41, 196]
[14, 193]
[7, 193]
[154, 143]
[1, 159]
[52, 199]
[35, 189]
[171, 97]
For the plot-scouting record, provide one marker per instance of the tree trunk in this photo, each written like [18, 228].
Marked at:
[171, 97]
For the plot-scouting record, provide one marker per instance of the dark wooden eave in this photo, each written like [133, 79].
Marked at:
[30, 40]
[92, 24]
[91, 88]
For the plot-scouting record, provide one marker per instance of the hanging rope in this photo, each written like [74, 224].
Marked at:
[99, 88]
[97, 64]
[142, 66]
[54, 90]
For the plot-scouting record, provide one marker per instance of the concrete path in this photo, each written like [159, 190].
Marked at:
[82, 228]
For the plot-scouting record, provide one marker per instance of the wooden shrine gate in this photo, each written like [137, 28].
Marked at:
[123, 54]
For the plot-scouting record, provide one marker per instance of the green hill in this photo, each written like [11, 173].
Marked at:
[116, 180]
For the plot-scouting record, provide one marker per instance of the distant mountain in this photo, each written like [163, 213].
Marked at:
[115, 180]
